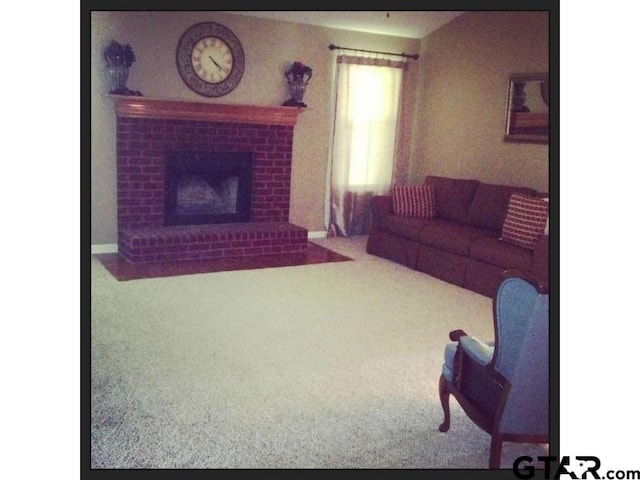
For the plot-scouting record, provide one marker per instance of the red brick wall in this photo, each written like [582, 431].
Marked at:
[141, 147]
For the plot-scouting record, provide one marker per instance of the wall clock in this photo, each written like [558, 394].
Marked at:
[210, 59]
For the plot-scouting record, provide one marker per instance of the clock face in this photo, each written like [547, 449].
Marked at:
[210, 59]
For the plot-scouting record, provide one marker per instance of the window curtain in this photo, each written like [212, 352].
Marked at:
[363, 150]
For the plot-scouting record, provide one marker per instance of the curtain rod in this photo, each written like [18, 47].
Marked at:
[406, 55]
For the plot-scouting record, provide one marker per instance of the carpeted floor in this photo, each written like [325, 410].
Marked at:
[328, 366]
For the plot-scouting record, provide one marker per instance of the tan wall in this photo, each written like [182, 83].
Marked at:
[269, 46]
[459, 110]
[459, 127]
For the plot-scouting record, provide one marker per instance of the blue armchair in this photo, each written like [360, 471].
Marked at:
[503, 385]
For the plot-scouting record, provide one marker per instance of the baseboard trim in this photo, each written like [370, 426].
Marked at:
[320, 234]
[104, 248]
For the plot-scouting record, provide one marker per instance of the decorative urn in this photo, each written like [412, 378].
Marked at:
[297, 77]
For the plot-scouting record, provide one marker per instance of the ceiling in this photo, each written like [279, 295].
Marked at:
[415, 24]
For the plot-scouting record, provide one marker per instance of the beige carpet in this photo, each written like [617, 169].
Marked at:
[331, 365]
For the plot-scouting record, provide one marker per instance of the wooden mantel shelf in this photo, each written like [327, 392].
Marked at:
[146, 107]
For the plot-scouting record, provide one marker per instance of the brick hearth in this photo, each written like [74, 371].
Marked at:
[148, 128]
[198, 242]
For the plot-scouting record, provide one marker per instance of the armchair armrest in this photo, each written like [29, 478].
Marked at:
[455, 335]
[480, 352]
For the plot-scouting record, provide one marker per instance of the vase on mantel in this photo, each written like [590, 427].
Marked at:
[298, 77]
[119, 59]
[117, 74]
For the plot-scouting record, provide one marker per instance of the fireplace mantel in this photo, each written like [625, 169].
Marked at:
[146, 107]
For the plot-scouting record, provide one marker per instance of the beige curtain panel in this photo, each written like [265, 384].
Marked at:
[368, 92]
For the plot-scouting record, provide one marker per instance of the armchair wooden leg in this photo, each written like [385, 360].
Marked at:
[444, 400]
[496, 451]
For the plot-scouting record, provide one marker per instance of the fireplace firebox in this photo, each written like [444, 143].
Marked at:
[207, 187]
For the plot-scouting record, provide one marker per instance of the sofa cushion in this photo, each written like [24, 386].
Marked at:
[452, 236]
[501, 254]
[404, 227]
[446, 266]
[416, 201]
[453, 196]
[392, 247]
[490, 203]
[525, 220]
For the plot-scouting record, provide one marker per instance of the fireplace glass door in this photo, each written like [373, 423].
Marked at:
[207, 187]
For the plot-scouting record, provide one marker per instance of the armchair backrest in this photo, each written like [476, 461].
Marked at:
[521, 315]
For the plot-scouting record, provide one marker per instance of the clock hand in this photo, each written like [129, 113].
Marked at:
[217, 64]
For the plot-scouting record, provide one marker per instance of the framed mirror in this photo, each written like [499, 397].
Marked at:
[527, 118]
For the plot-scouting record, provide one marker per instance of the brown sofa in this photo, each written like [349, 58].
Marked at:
[461, 244]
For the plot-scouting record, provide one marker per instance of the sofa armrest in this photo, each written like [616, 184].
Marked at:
[381, 205]
[540, 267]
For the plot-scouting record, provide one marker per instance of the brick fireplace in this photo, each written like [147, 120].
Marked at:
[152, 131]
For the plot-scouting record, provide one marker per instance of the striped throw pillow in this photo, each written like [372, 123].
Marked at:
[525, 221]
[417, 201]
[546, 228]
